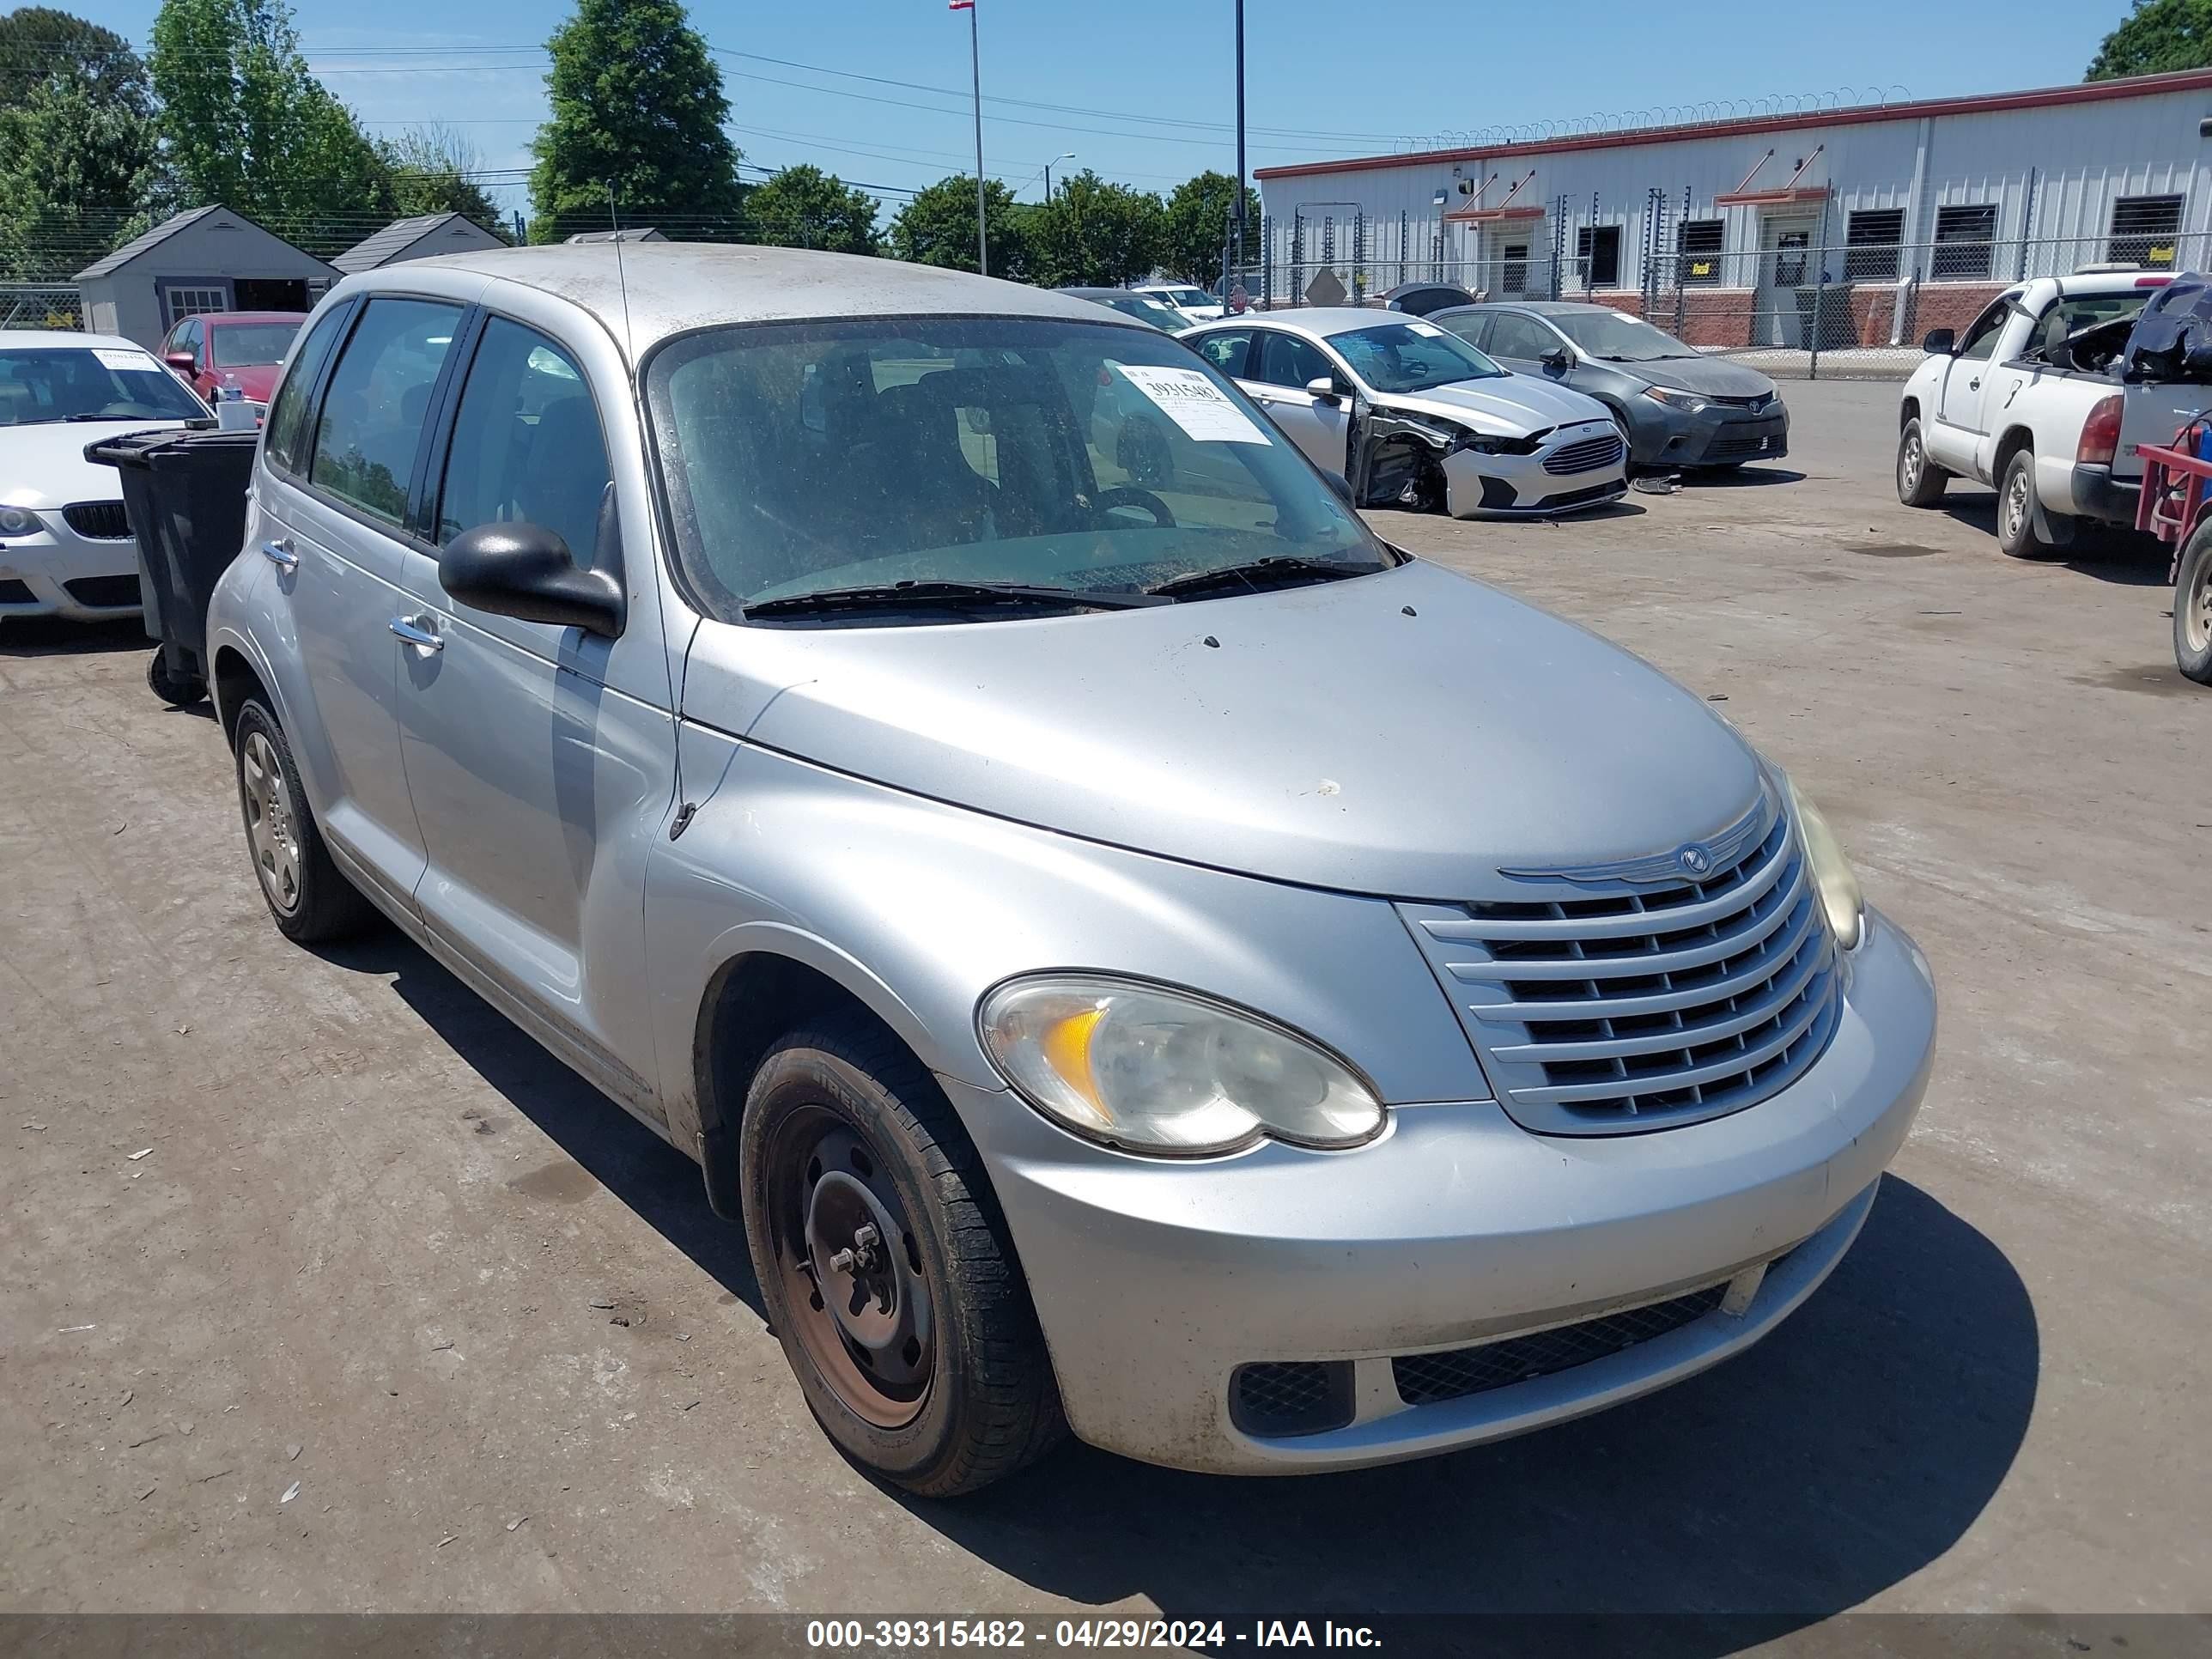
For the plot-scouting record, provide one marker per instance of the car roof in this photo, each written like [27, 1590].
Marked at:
[1545, 307]
[214, 318]
[19, 339]
[647, 291]
[1319, 322]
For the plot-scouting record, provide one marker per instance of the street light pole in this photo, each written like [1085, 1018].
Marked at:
[1049, 166]
[976, 73]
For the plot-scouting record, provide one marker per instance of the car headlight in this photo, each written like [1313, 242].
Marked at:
[1831, 872]
[1159, 1071]
[17, 521]
[1483, 443]
[1688, 402]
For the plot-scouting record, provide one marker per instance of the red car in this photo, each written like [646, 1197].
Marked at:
[246, 346]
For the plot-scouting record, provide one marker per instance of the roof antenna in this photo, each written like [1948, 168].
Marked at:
[621, 281]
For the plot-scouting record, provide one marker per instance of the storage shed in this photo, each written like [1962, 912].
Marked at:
[207, 259]
[418, 238]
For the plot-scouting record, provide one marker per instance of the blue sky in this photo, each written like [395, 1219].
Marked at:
[1154, 77]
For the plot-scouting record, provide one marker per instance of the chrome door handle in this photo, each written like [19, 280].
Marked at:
[281, 554]
[414, 634]
[1973, 385]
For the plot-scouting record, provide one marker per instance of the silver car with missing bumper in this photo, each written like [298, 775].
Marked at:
[1409, 415]
[1136, 953]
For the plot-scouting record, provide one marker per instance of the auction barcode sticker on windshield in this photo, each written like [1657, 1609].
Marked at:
[1194, 403]
[110, 358]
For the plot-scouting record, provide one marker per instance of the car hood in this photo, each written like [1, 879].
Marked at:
[257, 381]
[1409, 733]
[1514, 404]
[1710, 376]
[44, 465]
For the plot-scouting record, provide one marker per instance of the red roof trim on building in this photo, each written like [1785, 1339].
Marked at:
[1771, 198]
[1491, 215]
[2088, 92]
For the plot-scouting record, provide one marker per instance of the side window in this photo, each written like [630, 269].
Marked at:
[194, 334]
[1291, 362]
[288, 415]
[527, 447]
[379, 396]
[1522, 338]
[1982, 338]
[1228, 351]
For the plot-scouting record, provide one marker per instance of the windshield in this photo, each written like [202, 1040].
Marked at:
[1411, 357]
[239, 343]
[1146, 310]
[806, 457]
[1614, 338]
[1187, 296]
[41, 384]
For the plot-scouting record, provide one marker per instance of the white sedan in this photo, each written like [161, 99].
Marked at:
[65, 546]
[1192, 305]
[1409, 415]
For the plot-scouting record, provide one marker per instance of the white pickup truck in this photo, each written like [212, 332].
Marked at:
[2024, 404]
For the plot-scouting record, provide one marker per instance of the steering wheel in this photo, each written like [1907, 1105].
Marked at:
[1129, 495]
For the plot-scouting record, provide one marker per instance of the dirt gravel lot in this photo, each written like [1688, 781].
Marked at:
[273, 1217]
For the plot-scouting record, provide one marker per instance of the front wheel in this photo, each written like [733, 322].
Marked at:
[884, 1269]
[2192, 607]
[2018, 535]
[1919, 480]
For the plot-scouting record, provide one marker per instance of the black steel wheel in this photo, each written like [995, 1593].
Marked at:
[177, 691]
[885, 1265]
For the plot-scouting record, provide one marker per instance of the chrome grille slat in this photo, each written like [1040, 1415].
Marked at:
[1628, 967]
[1773, 998]
[1583, 455]
[1634, 996]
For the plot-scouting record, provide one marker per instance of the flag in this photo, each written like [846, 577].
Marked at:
[961, 5]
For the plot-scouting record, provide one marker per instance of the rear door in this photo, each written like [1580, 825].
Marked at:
[1287, 364]
[540, 759]
[334, 504]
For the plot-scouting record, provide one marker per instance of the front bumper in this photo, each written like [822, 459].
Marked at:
[1156, 1280]
[1717, 435]
[1481, 486]
[58, 573]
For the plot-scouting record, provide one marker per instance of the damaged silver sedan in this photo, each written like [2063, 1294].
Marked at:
[1409, 415]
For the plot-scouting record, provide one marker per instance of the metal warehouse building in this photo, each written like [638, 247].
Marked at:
[1867, 224]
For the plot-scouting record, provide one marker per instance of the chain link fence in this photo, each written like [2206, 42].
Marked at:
[1817, 296]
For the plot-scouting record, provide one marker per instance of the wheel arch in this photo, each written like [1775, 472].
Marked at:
[235, 679]
[2014, 438]
[1908, 412]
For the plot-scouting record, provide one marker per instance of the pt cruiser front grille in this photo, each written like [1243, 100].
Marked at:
[1423, 1379]
[1617, 1001]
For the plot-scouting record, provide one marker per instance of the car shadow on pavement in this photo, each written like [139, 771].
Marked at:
[1847, 1451]
[2103, 553]
[50, 637]
[660, 1183]
[1744, 477]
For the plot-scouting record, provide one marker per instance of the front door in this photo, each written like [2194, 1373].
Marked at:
[1955, 438]
[540, 758]
[1287, 364]
[1785, 265]
[1521, 343]
[332, 508]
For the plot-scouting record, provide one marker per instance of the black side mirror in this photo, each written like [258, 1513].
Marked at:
[527, 571]
[1941, 341]
[1558, 360]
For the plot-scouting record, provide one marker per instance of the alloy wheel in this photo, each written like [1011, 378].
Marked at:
[2195, 610]
[2016, 508]
[272, 830]
[1909, 463]
[851, 1267]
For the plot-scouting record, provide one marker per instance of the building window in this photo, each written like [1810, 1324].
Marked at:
[1870, 246]
[1698, 243]
[1597, 250]
[1514, 279]
[184, 302]
[1962, 239]
[2143, 230]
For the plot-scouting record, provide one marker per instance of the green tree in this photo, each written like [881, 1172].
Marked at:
[246, 124]
[1194, 224]
[79, 160]
[430, 170]
[637, 106]
[938, 226]
[2157, 36]
[37, 42]
[1094, 232]
[805, 207]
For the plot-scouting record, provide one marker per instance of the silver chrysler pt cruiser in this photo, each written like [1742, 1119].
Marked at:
[1137, 954]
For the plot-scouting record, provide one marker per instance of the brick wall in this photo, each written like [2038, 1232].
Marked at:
[1709, 316]
[1858, 314]
[1938, 305]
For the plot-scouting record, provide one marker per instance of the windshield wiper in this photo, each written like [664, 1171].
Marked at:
[1255, 574]
[937, 593]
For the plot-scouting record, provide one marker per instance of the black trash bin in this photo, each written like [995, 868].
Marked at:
[184, 494]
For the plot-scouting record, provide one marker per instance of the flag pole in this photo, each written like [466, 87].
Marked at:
[976, 71]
